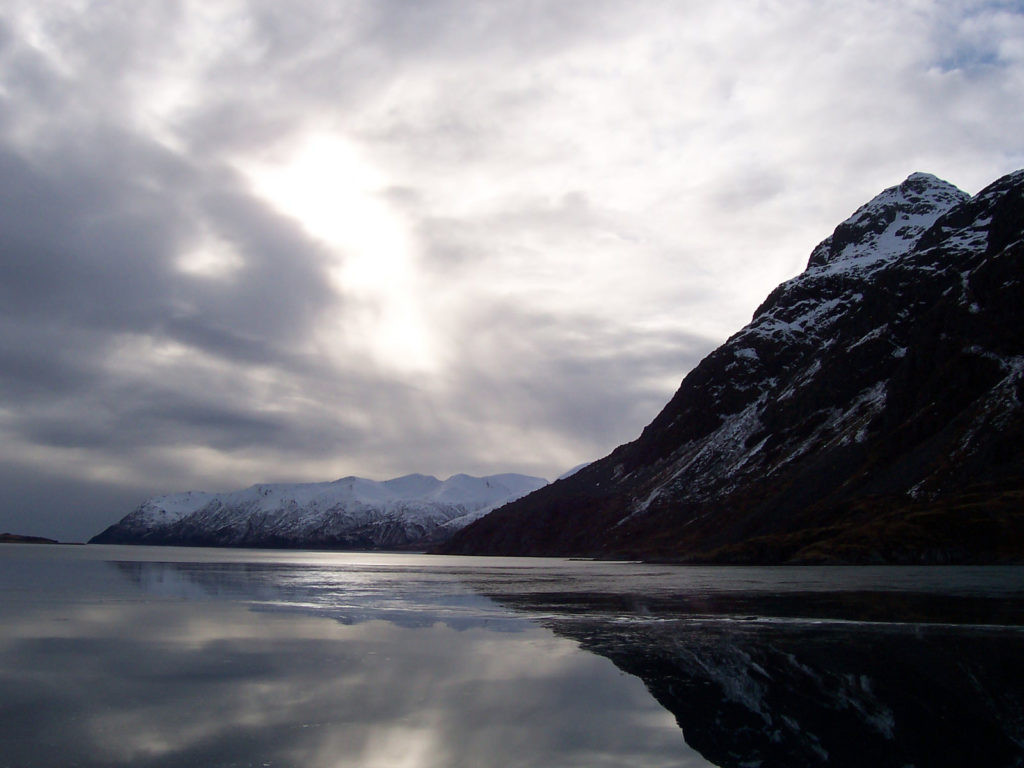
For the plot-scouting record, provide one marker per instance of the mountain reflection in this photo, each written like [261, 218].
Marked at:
[753, 677]
[767, 688]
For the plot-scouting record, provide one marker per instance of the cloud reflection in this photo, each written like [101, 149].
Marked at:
[182, 675]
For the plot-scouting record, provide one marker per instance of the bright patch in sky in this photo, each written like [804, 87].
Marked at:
[214, 258]
[338, 197]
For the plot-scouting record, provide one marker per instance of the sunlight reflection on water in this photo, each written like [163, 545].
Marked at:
[227, 659]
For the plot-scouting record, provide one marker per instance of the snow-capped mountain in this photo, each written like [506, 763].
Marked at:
[350, 513]
[870, 411]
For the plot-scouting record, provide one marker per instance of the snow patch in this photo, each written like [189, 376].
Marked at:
[888, 226]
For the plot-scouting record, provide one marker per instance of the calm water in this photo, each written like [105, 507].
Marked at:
[166, 657]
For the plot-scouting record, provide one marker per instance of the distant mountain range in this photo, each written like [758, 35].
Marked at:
[408, 512]
[14, 538]
[870, 412]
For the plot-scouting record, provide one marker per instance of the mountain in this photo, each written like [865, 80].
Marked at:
[870, 412]
[350, 513]
[14, 538]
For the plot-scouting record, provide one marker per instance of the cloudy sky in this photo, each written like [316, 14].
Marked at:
[268, 241]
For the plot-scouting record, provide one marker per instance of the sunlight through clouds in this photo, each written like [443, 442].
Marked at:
[213, 258]
[326, 184]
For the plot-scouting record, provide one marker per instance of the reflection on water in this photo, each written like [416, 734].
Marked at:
[95, 671]
[757, 692]
[827, 667]
[150, 657]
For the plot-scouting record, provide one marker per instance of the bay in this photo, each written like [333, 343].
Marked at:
[165, 656]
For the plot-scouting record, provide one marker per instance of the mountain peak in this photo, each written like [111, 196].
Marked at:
[887, 226]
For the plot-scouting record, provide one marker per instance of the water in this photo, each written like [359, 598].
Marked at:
[165, 657]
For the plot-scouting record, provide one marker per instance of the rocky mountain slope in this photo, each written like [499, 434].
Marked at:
[870, 412]
[350, 513]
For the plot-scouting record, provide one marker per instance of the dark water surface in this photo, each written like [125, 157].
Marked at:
[140, 656]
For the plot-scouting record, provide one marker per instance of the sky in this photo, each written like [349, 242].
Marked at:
[259, 241]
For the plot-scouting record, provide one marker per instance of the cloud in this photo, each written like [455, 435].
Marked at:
[241, 241]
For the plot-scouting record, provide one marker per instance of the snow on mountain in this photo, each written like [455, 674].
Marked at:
[872, 410]
[352, 512]
[165, 510]
[887, 226]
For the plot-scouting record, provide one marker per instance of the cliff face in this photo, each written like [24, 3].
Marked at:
[870, 412]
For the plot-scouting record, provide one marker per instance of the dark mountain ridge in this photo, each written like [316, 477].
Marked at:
[870, 412]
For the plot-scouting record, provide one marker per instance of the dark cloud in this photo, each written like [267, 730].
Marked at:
[578, 376]
[149, 419]
[90, 239]
[94, 218]
[48, 501]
